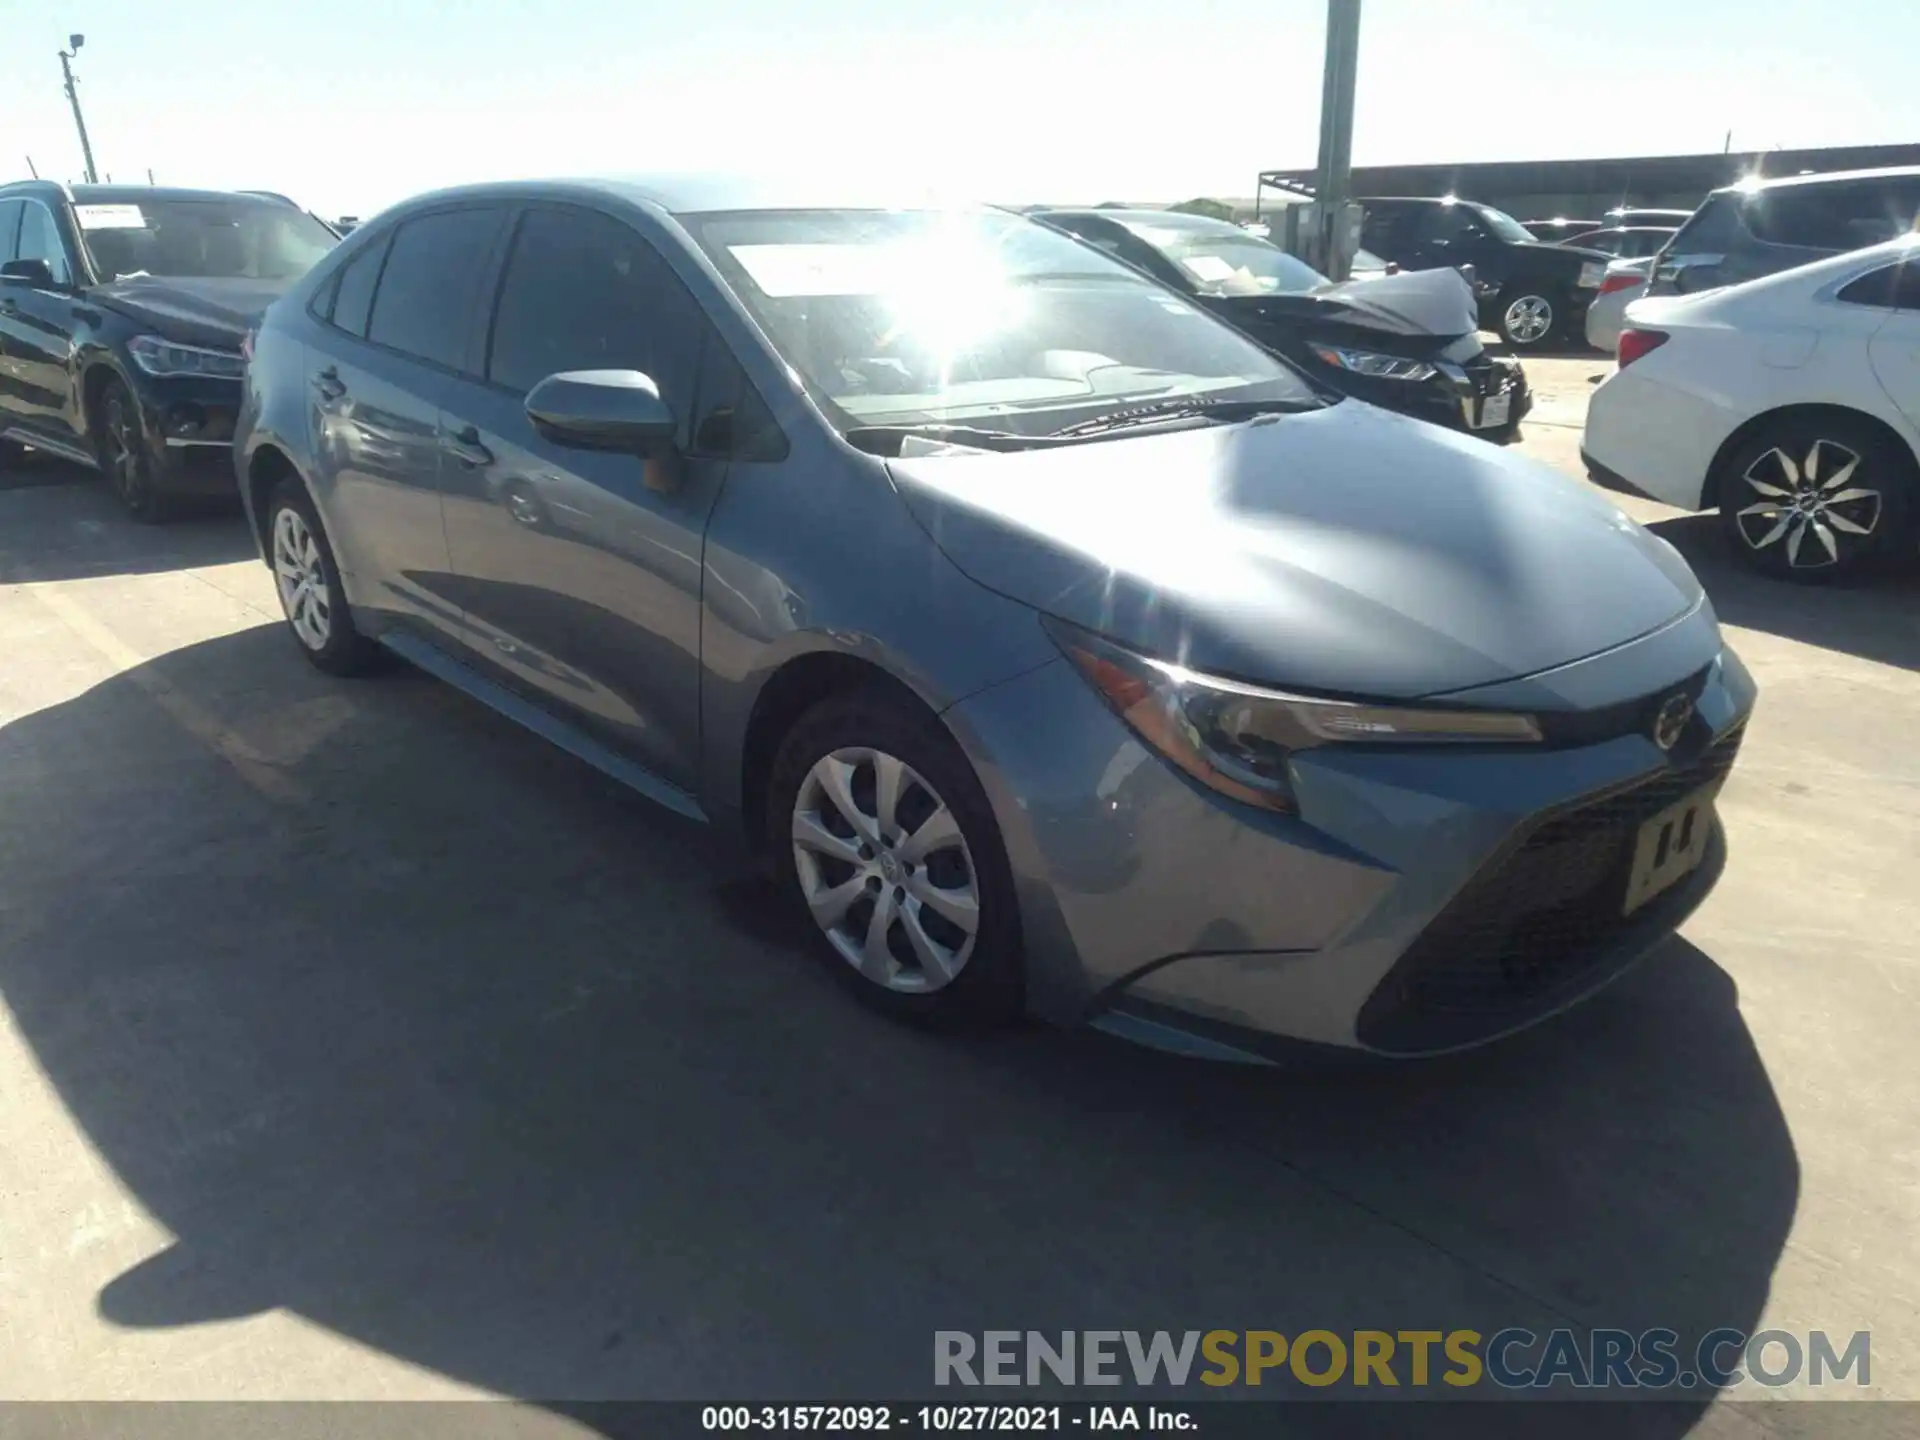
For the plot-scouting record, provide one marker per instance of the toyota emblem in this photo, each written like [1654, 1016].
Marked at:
[1672, 720]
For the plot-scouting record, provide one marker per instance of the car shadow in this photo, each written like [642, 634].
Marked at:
[59, 521]
[1876, 616]
[402, 1021]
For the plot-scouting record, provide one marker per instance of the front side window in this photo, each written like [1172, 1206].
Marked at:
[583, 291]
[1503, 226]
[223, 238]
[983, 318]
[40, 240]
[429, 291]
[9, 228]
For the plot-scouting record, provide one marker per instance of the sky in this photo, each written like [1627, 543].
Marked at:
[354, 104]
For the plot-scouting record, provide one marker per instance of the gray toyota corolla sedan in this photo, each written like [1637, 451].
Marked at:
[1061, 650]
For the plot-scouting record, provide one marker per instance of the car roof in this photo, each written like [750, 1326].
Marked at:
[1156, 220]
[134, 194]
[1828, 177]
[683, 194]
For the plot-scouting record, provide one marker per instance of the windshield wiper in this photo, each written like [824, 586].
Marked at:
[885, 439]
[1225, 411]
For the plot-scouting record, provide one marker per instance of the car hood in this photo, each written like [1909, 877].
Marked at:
[1413, 304]
[1346, 551]
[214, 312]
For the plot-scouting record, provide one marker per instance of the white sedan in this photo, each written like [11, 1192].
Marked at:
[1790, 404]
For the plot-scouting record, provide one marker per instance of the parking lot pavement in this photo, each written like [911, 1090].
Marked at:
[356, 1044]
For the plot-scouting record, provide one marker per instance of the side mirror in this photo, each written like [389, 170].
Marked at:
[36, 273]
[603, 410]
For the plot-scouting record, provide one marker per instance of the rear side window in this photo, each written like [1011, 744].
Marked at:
[353, 290]
[582, 291]
[1833, 217]
[1892, 287]
[427, 296]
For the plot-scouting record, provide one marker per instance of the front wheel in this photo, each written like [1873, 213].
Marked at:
[1528, 317]
[308, 581]
[120, 444]
[1812, 498]
[884, 841]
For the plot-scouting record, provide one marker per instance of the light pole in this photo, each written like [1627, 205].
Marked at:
[73, 98]
[1333, 185]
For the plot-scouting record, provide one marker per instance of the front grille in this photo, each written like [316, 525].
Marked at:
[1536, 919]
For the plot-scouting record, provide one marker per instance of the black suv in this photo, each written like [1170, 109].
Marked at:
[122, 313]
[1759, 228]
[1529, 292]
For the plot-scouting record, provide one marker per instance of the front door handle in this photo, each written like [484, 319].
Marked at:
[464, 445]
[9, 307]
[329, 384]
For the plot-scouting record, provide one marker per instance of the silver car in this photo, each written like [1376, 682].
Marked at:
[1058, 649]
[1623, 282]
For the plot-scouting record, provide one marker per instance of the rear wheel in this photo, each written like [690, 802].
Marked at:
[120, 444]
[1528, 316]
[1815, 497]
[884, 841]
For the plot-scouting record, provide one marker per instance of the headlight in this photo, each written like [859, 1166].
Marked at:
[1380, 367]
[1238, 739]
[1591, 274]
[165, 357]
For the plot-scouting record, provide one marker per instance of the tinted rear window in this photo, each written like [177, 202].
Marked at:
[1893, 287]
[429, 291]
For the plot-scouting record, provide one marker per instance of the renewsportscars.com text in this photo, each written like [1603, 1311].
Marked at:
[1510, 1359]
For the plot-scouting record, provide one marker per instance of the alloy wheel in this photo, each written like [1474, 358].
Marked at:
[1811, 508]
[1528, 319]
[301, 578]
[123, 463]
[885, 871]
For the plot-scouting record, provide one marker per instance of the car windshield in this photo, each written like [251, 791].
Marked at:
[1504, 226]
[981, 317]
[1228, 264]
[210, 239]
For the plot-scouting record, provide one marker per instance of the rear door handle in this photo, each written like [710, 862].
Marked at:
[464, 445]
[329, 384]
[9, 307]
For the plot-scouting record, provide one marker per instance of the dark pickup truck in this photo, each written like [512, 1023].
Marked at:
[1530, 293]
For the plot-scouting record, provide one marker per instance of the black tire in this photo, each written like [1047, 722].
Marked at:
[344, 651]
[120, 445]
[988, 987]
[1866, 527]
[1520, 307]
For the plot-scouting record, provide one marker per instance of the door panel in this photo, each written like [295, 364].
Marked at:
[376, 406]
[36, 335]
[579, 570]
[1895, 349]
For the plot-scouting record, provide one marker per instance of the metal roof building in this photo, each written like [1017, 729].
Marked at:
[1541, 189]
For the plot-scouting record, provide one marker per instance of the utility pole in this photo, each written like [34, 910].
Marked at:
[73, 98]
[1333, 185]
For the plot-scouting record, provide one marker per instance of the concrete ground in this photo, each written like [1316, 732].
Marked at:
[357, 1045]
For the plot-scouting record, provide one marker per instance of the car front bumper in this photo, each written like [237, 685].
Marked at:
[188, 421]
[1422, 901]
[1456, 397]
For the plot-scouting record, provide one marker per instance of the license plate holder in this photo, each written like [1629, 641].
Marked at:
[1494, 410]
[1669, 847]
